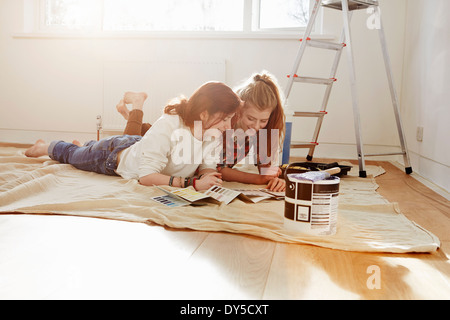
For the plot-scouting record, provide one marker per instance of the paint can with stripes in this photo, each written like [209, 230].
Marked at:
[311, 204]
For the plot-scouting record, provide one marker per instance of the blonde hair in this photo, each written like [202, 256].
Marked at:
[262, 90]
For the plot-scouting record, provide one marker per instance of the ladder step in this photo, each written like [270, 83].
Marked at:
[297, 144]
[352, 4]
[386, 154]
[325, 44]
[313, 80]
[309, 114]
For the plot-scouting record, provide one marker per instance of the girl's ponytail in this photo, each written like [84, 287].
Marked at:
[177, 107]
[213, 97]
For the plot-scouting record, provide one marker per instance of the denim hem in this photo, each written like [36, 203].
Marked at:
[51, 147]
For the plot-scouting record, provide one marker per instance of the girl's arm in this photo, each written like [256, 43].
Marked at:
[229, 174]
[206, 171]
[157, 179]
[209, 179]
[272, 181]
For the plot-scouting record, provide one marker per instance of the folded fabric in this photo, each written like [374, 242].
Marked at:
[366, 221]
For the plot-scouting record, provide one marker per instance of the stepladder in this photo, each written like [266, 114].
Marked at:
[344, 44]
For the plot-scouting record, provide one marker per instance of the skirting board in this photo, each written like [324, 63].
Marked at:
[346, 151]
[30, 137]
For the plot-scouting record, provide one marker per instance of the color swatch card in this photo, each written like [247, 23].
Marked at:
[222, 194]
[188, 196]
[254, 196]
[180, 197]
[170, 201]
[279, 195]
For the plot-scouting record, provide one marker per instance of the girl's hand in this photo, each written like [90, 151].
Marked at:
[208, 180]
[277, 185]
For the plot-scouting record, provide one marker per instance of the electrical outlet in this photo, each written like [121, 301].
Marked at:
[419, 134]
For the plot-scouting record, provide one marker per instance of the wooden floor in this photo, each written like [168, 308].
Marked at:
[60, 257]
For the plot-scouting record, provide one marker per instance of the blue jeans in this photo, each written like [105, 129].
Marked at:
[95, 156]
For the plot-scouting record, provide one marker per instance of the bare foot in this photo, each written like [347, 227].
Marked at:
[39, 149]
[123, 110]
[135, 98]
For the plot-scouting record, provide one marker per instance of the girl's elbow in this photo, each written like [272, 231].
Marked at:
[142, 182]
[146, 181]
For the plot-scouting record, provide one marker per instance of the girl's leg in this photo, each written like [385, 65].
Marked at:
[135, 127]
[135, 116]
[95, 156]
[134, 123]
[40, 148]
[90, 157]
[144, 128]
[122, 109]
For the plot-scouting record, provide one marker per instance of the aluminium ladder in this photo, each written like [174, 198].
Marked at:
[347, 6]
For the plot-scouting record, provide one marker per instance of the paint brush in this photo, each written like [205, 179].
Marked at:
[315, 175]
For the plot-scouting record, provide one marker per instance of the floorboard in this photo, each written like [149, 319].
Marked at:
[61, 257]
[227, 266]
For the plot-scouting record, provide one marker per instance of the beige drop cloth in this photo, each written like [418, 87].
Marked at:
[366, 221]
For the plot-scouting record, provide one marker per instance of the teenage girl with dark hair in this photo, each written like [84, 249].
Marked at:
[151, 159]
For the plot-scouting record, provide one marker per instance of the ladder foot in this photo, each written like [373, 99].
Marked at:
[309, 158]
[408, 170]
[362, 174]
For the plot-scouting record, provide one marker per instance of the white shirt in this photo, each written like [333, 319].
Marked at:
[169, 148]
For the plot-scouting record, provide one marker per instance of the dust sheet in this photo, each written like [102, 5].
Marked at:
[366, 221]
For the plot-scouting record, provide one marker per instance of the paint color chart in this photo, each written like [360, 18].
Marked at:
[222, 194]
[190, 194]
[170, 201]
[179, 197]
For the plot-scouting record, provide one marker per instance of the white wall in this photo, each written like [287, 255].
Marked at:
[52, 88]
[426, 96]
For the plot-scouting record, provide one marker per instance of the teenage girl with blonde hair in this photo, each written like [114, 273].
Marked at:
[262, 109]
[151, 159]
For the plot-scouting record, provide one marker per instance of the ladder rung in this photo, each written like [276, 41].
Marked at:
[385, 154]
[314, 80]
[352, 4]
[295, 144]
[325, 44]
[309, 114]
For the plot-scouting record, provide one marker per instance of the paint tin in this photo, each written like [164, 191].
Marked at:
[311, 207]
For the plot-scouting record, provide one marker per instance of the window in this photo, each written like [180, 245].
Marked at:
[174, 15]
[71, 14]
[283, 14]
